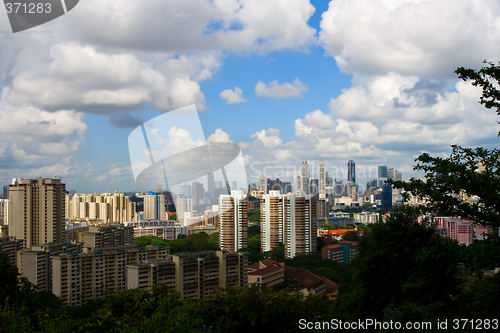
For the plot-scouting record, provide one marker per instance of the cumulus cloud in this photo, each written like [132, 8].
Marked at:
[410, 37]
[219, 136]
[232, 97]
[284, 90]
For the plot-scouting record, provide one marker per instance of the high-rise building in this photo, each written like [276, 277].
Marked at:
[382, 171]
[390, 174]
[233, 221]
[154, 206]
[289, 219]
[183, 208]
[197, 193]
[185, 190]
[387, 197]
[351, 171]
[322, 177]
[6, 192]
[36, 210]
[235, 185]
[262, 183]
[211, 185]
[305, 178]
[398, 176]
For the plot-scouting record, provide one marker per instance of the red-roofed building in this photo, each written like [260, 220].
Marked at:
[267, 272]
[309, 283]
[344, 251]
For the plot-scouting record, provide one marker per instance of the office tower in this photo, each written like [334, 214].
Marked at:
[338, 189]
[6, 192]
[274, 185]
[305, 178]
[297, 182]
[183, 208]
[36, 210]
[398, 176]
[322, 177]
[313, 186]
[235, 185]
[289, 219]
[233, 221]
[371, 183]
[353, 191]
[185, 190]
[286, 187]
[387, 197]
[390, 174]
[351, 171]
[262, 183]
[210, 185]
[382, 172]
[154, 206]
[197, 193]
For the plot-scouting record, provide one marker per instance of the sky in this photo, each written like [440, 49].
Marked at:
[286, 80]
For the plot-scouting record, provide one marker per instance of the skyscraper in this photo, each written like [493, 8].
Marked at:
[351, 171]
[390, 173]
[233, 221]
[304, 178]
[382, 171]
[262, 183]
[211, 185]
[322, 177]
[398, 176]
[36, 210]
[154, 206]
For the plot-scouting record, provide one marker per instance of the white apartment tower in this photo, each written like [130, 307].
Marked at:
[36, 210]
[289, 219]
[233, 221]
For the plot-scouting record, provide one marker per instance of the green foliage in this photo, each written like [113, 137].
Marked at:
[351, 236]
[192, 243]
[446, 178]
[254, 215]
[277, 253]
[401, 262]
[484, 78]
[144, 241]
[253, 230]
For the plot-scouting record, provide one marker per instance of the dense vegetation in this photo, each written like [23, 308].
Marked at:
[192, 243]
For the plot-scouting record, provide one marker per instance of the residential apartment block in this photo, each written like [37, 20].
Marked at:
[78, 278]
[109, 208]
[193, 275]
[36, 210]
[343, 251]
[233, 221]
[289, 219]
[9, 246]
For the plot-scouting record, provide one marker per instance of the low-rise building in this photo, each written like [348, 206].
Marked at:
[343, 251]
[267, 272]
[159, 228]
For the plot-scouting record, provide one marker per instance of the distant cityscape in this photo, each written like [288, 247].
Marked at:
[78, 245]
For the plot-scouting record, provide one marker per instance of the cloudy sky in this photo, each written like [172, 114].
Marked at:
[286, 80]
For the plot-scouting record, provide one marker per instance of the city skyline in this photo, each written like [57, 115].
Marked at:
[298, 82]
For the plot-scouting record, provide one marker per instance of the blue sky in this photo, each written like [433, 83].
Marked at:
[366, 80]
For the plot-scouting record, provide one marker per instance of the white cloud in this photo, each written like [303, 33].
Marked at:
[268, 138]
[410, 37]
[284, 90]
[232, 97]
[219, 136]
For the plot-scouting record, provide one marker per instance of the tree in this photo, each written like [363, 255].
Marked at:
[466, 184]
[402, 263]
[484, 78]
